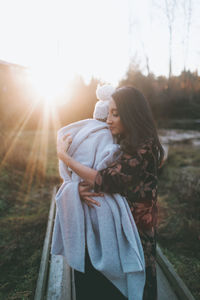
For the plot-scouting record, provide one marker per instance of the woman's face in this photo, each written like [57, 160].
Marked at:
[113, 120]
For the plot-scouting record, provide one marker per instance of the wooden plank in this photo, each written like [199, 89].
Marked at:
[43, 271]
[73, 285]
[59, 283]
[175, 281]
[165, 291]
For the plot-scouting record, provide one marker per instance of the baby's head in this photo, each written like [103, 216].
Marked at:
[103, 94]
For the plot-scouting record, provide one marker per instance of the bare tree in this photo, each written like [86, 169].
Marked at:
[146, 58]
[132, 24]
[187, 14]
[170, 6]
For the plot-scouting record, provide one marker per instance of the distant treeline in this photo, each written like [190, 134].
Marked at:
[177, 97]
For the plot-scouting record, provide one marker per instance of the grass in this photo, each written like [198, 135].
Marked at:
[25, 192]
[179, 207]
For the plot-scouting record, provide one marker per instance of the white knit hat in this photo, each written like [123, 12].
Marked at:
[103, 94]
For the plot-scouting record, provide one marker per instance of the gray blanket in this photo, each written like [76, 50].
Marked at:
[109, 231]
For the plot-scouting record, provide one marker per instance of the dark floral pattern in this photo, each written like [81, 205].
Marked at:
[135, 177]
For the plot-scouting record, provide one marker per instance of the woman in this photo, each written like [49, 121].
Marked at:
[100, 242]
[134, 175]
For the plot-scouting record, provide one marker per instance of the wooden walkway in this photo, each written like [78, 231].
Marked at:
[60, 276]
[56, 280]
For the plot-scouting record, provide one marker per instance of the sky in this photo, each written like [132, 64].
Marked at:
[96, 37]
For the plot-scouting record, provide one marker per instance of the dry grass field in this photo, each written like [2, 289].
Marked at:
[27, 176]
[179, 211]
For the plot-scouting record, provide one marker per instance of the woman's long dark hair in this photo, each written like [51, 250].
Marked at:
[136, 117]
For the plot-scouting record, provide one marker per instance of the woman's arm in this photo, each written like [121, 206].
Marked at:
[84, 172]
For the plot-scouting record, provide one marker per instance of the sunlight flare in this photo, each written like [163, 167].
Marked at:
[32, 162]
[12, 141]
[51, 83]
[36, 162]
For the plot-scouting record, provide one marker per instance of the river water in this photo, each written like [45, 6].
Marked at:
[173, 137]
[177, 136]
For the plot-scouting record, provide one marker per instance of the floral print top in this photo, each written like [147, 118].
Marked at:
[135, 177]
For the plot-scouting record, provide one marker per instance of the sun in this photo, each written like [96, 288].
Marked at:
[50, 83]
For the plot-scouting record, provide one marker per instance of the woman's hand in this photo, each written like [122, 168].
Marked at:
[85, 194]
[63, 144]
